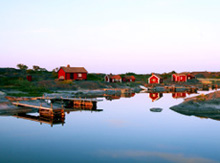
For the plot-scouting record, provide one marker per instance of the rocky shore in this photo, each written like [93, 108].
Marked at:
[206, 106]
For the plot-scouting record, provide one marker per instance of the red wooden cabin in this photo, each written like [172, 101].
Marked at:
[179, 95]
[155, 96]
[155, 79]
[72, 73]
[128, 79]
[179, 77]
[183, 77]
[113, 78]
[190, 76]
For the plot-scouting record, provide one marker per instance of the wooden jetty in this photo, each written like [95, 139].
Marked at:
[68, 98]
[55, 105]
[44, 109]
[36, 106]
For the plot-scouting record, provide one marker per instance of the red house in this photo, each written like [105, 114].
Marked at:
[179, 95]
[190, 76]
[72, 73]
[179, 77]
[113, 78]
[128, 79]
[183, 77]
[155, 96]
[155, 79]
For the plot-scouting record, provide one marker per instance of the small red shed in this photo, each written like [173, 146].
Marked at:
[113, 78]
[190, 76]
[128, 79]
[182, 77]
[155, 96]
[179, 77]
[155, 79]
[72, 73]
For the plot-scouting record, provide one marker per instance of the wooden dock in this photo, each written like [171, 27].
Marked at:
[69, 98]
[56, 105]
[44, 109]
[22, 104]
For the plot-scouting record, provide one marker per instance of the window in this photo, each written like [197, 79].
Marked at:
[79, 75]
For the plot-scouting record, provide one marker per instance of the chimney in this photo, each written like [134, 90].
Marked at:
[68, 65]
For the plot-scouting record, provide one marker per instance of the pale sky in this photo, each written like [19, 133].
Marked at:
[117, 36]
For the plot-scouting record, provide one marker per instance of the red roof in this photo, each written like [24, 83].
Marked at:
[157, 75]
[129, 77]
[74, 69]
[115, 76]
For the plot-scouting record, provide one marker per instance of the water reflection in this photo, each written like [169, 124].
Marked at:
[155, 96]
[118, 96]
[158, 136]
[67, 105]
[45, 114]
[179, 95]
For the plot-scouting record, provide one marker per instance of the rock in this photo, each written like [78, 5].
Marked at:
[2, 93]
[159, 89]
[156, 109]
[207, 106]
[181, 89]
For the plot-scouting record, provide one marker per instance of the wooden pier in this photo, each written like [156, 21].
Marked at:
[44, 109]
[21, 104]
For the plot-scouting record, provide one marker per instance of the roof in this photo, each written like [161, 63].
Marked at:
[180, 74]
[157, 75]
[129, 77]
[185, 73]
[74, 69]
[114, 76]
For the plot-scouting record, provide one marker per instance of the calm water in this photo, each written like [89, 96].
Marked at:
[125, 131]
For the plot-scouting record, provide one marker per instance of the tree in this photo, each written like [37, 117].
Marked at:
[22, 66]
[173, 72]
[36, 68]
[43, 69]
[56, 69]
[54, 72]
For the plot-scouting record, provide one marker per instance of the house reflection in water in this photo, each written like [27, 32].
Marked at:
[116, 97]
[112, 97]
[92, 108]
[177, 95]
[155, 96]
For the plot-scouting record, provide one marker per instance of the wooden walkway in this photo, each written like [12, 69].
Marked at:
[36, 106]
[69, 99]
